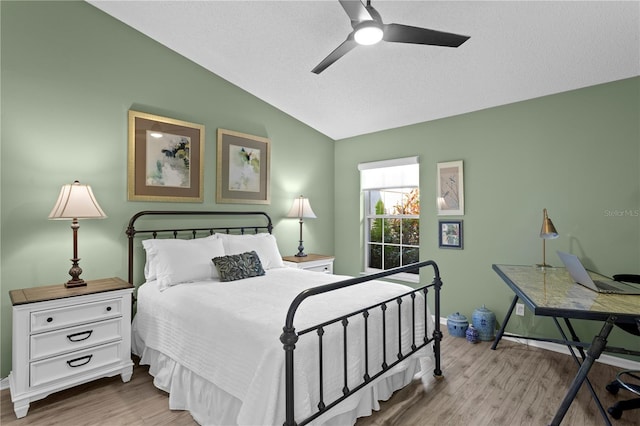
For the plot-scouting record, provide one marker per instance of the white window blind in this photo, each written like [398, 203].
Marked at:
[395, 173]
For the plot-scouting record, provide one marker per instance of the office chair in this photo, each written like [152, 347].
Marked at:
[627, 379]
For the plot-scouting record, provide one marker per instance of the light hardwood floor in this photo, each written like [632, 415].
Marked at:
[514, 385]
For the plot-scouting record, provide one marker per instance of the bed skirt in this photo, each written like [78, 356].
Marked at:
[209, 405]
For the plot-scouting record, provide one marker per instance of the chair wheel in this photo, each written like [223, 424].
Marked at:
[612, 389]
[615, 412]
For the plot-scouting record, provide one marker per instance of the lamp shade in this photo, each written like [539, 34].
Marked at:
[548, 231]
[76, 201]
[301, 209]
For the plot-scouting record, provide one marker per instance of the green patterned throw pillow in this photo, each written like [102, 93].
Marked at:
[238, 266]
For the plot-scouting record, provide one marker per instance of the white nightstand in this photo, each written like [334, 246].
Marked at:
[63, 337]
[311, 262]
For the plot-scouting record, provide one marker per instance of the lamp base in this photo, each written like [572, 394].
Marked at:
[75, 283]
[300, 252]
[75, 272]
[544, 266]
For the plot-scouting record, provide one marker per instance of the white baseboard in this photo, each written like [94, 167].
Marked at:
[4, 383]
[623, 363]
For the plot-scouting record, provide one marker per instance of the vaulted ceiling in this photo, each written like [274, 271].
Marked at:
[518, 50]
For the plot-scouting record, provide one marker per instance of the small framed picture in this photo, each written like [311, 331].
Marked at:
[165, 159]
[450, 189]
[243, 168]
[450, 234]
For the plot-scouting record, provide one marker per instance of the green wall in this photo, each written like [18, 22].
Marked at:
[70, 73]
[575, 153]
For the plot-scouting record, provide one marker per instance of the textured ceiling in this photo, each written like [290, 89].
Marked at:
[518, 50]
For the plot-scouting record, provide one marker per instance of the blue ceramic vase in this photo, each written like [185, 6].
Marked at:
[457, 324]
[472, 334]
[484, 321]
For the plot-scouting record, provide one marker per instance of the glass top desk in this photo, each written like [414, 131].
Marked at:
[551, 292]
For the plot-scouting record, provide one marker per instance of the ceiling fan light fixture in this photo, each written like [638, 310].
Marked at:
[369, 28]
[368, 33]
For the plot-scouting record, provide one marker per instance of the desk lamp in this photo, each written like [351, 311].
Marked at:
[75, 202]
[301, 209]
[548, 232]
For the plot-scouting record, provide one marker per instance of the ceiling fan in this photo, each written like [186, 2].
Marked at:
[368, 29]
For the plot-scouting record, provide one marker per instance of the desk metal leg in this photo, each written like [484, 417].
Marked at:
[594, 352]
[504, 323]
[575, 338]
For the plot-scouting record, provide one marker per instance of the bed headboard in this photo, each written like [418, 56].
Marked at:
[174, 224]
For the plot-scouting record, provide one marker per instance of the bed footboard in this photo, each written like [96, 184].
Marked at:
[290, 336]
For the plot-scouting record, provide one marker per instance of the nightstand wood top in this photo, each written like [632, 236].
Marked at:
[59, 291]
[307, 258]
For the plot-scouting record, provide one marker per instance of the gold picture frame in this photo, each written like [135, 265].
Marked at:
[243, 168]
[166, 159]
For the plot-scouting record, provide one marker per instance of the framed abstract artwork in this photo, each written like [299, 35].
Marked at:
[242, 168]
[450, 189]
[165, 159]
[450, 234]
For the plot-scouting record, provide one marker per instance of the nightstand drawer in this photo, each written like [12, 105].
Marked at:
[75, 338]
[62, 367]
[52, 319]
[327, 269]
[311, 262]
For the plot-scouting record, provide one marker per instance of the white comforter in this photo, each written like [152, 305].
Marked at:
[228, 333]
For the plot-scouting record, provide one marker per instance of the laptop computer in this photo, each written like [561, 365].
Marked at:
[580, 275]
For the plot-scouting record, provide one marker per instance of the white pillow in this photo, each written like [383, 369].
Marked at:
[148, 245]
[264, 244]
[149, 264]
[179, 261]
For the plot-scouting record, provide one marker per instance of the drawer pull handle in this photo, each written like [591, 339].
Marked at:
[78, 362]
[108, 308]
[77, 337]
[49, 319]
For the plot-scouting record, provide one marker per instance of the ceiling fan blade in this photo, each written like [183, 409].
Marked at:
[339, 52]
[356, 10]
[407, 34]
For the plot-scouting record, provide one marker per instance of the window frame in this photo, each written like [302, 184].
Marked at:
[368, 217]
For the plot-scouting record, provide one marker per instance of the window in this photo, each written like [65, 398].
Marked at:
[391, 214]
